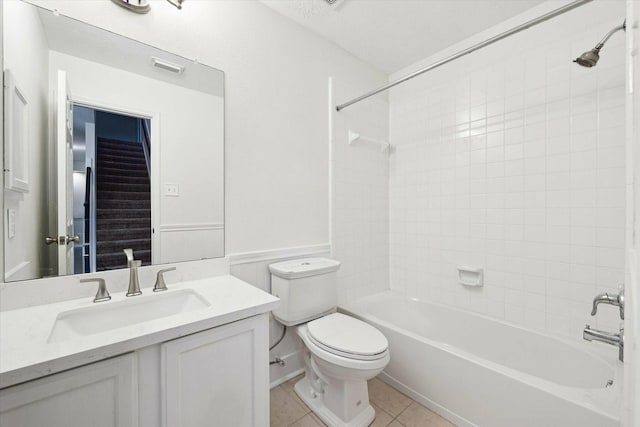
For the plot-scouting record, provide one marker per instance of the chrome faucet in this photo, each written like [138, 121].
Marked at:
[606, 337]
[134, 282]
[602, 336]
[605, 298]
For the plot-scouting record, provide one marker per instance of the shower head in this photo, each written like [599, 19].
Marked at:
[590, 58]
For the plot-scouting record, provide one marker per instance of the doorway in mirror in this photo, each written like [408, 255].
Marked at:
[112, 188]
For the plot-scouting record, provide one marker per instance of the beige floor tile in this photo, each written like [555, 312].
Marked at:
[306, 421]
[417, 415]
[441, 422]
[288, 385]
[387, 398]
[300, 402]
[284, 410]
[317, 420]
[382, 418]
[288, 410]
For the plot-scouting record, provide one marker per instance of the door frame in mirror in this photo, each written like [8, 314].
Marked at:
[154, 118]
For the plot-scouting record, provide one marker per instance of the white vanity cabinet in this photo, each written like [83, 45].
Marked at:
[216, 377]
[102, 394]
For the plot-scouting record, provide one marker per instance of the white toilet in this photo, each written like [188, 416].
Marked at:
[341, 353]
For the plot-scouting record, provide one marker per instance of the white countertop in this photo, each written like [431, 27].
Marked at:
[25, 353]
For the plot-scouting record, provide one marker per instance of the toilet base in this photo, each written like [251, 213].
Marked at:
[316, 403]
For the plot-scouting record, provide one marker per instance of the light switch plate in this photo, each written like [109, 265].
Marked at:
[171, 190]
[11, 223]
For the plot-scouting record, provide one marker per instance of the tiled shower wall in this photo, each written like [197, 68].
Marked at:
[512, 159]
[360, 195]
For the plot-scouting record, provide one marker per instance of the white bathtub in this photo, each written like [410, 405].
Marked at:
[478, 371]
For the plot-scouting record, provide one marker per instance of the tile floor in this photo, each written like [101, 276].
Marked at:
[393, 408]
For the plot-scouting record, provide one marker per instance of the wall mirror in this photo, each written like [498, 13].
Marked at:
[109, 144]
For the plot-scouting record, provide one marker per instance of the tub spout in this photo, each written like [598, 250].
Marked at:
[606, 337]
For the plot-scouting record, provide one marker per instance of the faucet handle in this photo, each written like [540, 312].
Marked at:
[102, 294]
[129, 254]
[621, 303]
[605, 298]
[600, 298]
[161, 285]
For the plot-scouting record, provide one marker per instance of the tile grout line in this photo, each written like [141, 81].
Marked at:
[290, 393]
[401, 412]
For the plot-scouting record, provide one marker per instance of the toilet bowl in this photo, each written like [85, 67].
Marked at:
[341, 353]
[337, 371]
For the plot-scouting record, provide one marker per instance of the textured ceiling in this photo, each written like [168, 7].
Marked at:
[393, 34]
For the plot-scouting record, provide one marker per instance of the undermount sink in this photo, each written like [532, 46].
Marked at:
[118, 314]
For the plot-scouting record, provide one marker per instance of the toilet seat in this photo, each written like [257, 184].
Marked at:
[347, 337]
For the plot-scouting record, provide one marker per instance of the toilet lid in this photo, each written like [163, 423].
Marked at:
[346, 336]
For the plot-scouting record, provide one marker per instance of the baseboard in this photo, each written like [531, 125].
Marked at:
[286, 378]
[428, 403]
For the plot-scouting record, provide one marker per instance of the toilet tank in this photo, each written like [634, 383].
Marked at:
[306, 288]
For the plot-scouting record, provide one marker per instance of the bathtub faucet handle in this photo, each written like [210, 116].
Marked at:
[605, 298]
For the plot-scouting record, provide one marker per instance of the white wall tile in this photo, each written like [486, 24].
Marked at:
[528, 183]
[361, 237]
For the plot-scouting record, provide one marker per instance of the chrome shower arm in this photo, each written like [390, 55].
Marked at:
[610, 33]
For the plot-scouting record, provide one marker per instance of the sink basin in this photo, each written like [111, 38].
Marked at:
[119, 314]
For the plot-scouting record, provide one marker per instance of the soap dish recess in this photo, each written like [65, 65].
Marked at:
[470, 276]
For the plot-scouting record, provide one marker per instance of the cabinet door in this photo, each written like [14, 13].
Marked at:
[218, 377]
[102, 394]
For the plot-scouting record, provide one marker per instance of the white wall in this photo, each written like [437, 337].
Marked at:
[25, 54]
[276, 114]
[512, 159]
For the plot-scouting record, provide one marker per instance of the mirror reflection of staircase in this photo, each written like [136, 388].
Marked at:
[123, 208]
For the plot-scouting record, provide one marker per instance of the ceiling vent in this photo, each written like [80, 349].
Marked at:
[334, 2]
[167, 66]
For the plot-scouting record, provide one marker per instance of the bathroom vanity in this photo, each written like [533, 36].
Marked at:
[204, 361]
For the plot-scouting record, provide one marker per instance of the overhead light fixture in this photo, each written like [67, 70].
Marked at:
[143, 6]
[167, 66]
[176, 3]
[137, 6]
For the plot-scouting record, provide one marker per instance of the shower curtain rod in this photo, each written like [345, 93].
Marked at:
[467, 51]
